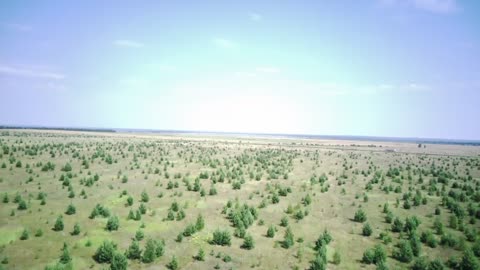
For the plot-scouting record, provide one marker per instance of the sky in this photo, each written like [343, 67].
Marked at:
[399, 68]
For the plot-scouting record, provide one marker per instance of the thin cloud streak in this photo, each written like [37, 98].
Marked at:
[18, 27]
[224, 43]
[30, 73]
[267, 69]
[434, 6]
[128, 43]
[255, 17]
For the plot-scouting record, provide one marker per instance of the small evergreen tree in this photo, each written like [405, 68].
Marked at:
[284, 221]
[5, 198]
[65, 256]
[360, 216]
[143, 209]
[22, 205]
[149, 254]
[397, 225]
[200, 223]
[367, 229]
[105, 251]
[420, 263]
[368, 256]
[139, 235]
[145, 197]
[288, 239]
[336, 258]
[404, 252]
[221, 238]
[71, 210]
[271, 231]
[248, 242]
[112, 223]
[131, 215]
[318, 263]
[25, 235]
[200, 255]
[119, 262]
[159, 248]
[415, 244]
[173, 264]
[58, 226]
[133, 251]
[76, 229]
[469, 261]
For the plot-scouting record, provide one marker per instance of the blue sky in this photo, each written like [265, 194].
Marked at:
[404, 68]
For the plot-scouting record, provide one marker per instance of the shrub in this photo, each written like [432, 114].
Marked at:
[420, 264]
[248, 242]
[112, 223]
[71, 210]
[38, 233]
[200, 255]
[173, 264]
[469, 261]
[284, 222]
[24, 235]
[436, 264]
[336, 258]
[58, 226]
[65, 256]
[367, 230]
[145, 197]
[129, 201]
[133, 251]
[271, 232]
[105, 251]
[189, 230]
[76, 229]
[376, 255]
[324, 239]
[119, 262]
[360, 216]
[404, 252]
[22, 205]
[368, 256]
[429, 239]
[415, 244]
[200, 223]
[318, 263]
[67, 167]
[397, 225]
[149, 254]
[221, 238]
[288, 239]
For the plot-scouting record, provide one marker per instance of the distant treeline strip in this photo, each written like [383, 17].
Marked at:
[60, 128]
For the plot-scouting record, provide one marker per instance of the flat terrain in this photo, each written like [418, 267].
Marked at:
[159, 186]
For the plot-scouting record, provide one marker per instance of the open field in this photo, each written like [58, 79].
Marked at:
[412, 203]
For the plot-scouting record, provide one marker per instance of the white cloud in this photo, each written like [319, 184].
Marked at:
[223, 43]
[18, 27]
[435, 6]
[166, 68]
[31, 72]
[255, 16]
[128, 43]
[267, 69]
[244, 74]
[417, 87]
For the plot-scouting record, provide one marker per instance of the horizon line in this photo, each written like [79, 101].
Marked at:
[305, 136]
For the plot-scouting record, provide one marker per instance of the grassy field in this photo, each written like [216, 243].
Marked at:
[241, 186]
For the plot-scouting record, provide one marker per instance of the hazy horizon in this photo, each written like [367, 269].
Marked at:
[381, 68]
